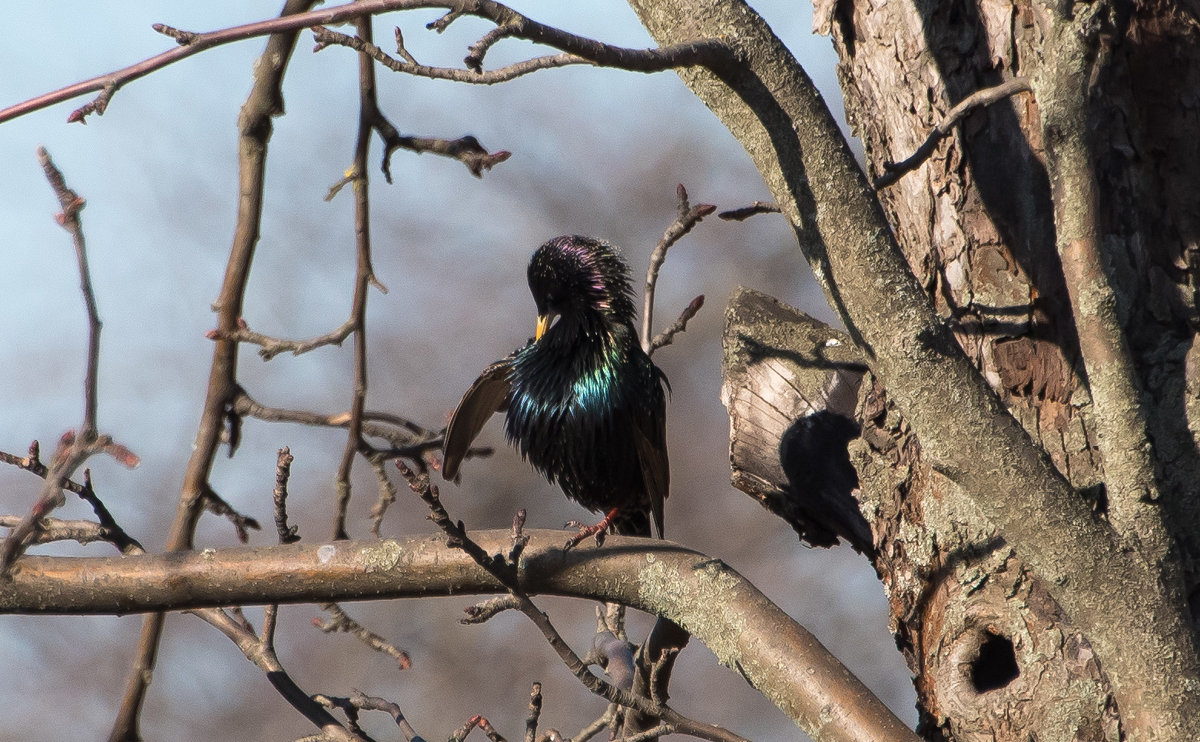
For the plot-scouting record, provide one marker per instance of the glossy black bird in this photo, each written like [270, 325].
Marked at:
[584, 404]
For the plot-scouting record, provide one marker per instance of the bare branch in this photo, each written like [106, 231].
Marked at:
[666, 336]
[263, 656]
[326, 37]
[387, 491]
[73, 448]
[644, 60]
[535, 712]
[758, 207]
[72, 204]
[55, 529]
[407, 439]
[109, 528]
[1135, 509]
[486, 610]
[339, 620]
[368, 116]
[687, 217]
[476, 721]
[362, 702]
[283, 471]
[272, 347]
[979, 98]
[813, 688]
[217, 505]
[510, 574]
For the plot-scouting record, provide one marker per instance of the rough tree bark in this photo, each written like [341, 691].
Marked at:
[1028, 459]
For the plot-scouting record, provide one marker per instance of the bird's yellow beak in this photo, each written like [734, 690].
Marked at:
[543, 323]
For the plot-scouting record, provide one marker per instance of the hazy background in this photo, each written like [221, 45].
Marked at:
[594, 151]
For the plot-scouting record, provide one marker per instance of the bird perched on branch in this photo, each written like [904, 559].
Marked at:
[584, 404]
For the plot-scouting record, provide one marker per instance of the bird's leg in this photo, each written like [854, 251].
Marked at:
[585, 531]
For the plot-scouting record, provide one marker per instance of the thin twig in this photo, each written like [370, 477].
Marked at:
[73, 448]
[361, 702]
[485, 610]
[408, 440]
[985, 97]
[283, 471]
[606, 721]
[387, 491]
[687, 217]
[339, 620]
[368, 114]
[271, 346]
[535, 712]
[476, 721]
[217, 505]
[758, 207]
[666, 336]
[71, 204]
[111, 530]
[407, 65]
[264, 657]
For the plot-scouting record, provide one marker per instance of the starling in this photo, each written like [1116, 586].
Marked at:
[584, 404]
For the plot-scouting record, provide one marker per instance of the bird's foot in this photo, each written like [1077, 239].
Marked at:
[599, 530]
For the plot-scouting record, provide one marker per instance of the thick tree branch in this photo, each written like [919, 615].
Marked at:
[1064, 90]
[713, 602]
[781, 120]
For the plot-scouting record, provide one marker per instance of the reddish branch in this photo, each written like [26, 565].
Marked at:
[106, 529]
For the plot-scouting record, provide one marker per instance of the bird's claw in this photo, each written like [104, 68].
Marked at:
[599, 530]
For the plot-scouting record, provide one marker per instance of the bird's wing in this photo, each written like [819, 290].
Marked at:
[487, 396]
[650, 439]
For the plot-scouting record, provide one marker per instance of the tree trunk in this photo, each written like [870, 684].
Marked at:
[1038, 571]
[977, 223]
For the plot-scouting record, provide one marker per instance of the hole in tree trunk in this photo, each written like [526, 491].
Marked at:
[996, 665]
